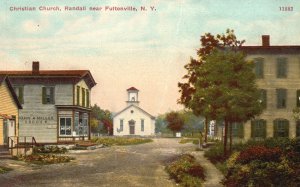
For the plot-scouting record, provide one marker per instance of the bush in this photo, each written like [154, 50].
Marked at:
[4, 169]
[185, 170]
[215, 154]
[121, 141]
[50, 149]
[261, 166]
[44, 158]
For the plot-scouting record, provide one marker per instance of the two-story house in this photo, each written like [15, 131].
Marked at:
[56, 103]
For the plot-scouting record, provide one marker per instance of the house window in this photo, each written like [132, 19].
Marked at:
[263, 98]
[65, 126]
[87, 98]
[259, 68]
[281, 128]
[19, 90]
[83, 97]
[281, 98]
[48, 95]
[237, 130]
[281, 67]
[298, 98]
[258, 128]
[142, 125]
[77, 95]
[298, 129]
[121, 124]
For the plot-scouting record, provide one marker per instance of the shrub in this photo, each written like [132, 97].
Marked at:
[49, 149]
[44, 158]
[4, 169]
[261, 166]
[185, 170]
[215, 154]
[259, 153]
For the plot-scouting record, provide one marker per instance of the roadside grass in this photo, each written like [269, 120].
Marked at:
[185, 171]
[120, 141]
[4, 169]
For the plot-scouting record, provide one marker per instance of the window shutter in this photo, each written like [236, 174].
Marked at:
[78, 95]
[298, 98]
[241, 130]
[281, 68]
[275, 123]
[87, 98]
[252, 128]
[264, 128]
[263, 98]
[286, 128]
[44, 95]
[21, 95]
[52, 95]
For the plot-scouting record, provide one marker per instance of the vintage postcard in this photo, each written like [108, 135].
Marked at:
[149, 93]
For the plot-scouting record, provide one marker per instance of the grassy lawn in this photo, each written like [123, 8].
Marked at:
[110, 141]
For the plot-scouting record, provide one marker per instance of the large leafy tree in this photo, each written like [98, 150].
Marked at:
[175, 121]
[220, 83]
[101, 120]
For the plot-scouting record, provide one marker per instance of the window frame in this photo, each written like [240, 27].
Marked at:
[259, 67]
[237, 130]
[281, 98]
[142, 125]
[260, 132]
[281, 67]
[281, 126]
[51, 96]
[19, 91]
[65, 126]
[121, 125]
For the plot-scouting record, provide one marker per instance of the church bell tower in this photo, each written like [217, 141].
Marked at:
[133, 98]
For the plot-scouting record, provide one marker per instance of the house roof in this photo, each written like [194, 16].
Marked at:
[61, 76]
[276, 49]
[152, 117]
[132, 89]
[11, 89]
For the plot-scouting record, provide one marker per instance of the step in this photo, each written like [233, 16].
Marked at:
[5, 154]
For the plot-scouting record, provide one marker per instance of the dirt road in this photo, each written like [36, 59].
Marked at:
[136, 165]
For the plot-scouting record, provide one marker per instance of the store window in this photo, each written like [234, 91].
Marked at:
[65, 126]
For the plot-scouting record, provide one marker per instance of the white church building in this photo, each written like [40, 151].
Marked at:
[133, 120]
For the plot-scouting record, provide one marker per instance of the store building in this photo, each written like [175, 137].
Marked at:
[56, 103]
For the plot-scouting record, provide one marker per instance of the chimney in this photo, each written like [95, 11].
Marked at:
[265, 40]
[35, 68]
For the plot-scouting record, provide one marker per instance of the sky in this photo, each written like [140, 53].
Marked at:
[144, 49]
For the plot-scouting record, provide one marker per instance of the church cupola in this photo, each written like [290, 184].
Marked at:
[133, 98]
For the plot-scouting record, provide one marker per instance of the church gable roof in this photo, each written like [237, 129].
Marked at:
[140, 109]
[132, 89]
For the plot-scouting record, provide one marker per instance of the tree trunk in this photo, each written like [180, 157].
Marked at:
[206, 129]
[225, 137]
[230, 138]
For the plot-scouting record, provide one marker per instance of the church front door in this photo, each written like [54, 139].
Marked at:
[131, 126]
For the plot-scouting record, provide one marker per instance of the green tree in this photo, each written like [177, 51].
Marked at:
[175, 121]
[101, 120]
[221, 83]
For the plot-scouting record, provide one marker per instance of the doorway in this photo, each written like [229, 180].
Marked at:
[131, 127]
